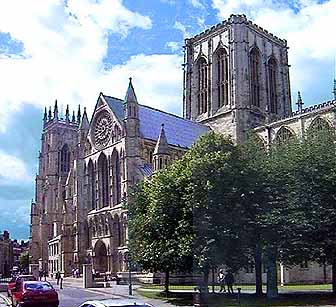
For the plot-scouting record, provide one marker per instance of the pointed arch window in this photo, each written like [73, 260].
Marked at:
[103, 181]
[202, 86]
[64, 159]
[272, 83]
[116, 174]
[319, 124]
[283, 135]
[255, 77]
[91, 186]
[222, 77]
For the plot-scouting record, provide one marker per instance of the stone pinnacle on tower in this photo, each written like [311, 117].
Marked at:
[67, 114]
[299, 102]
[334, 90]
[79, 114]
[49, 115]
[56, 110]
[45, 116]
[73, 117]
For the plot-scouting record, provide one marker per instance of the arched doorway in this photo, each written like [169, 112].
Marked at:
[100, 263]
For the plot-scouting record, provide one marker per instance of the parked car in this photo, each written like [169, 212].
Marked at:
[35, 294]
[115, 303]
[16, 281]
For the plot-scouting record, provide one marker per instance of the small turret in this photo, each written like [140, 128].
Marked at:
[84, 126]
[45, 116]
[161, 151]
[299, 102]
[56, 111]
[131, 106]
[67, 114]
[79, 115]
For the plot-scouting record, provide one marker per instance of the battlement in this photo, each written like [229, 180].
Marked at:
[323, 105]
[238, 19]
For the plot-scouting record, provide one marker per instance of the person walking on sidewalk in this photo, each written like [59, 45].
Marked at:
[229, 280]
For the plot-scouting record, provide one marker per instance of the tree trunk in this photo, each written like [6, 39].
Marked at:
[272, 278]
[258, 269]
[333, 269]
[206, 280]
[166, 286]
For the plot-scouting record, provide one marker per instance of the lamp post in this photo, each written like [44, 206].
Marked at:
[128, 260]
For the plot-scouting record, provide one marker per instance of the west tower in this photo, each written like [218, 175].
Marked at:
[236, 75]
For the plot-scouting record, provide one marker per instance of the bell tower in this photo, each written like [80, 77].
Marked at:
[235, 75]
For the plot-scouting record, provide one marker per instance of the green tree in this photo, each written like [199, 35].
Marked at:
[160, 224]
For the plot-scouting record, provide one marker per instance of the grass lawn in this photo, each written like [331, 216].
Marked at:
[247, 300]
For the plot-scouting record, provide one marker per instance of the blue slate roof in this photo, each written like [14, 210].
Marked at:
[179, 131]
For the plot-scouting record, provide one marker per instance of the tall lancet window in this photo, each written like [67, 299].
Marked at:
[103, 181]
[92, 186]
[255, 77]
[222, 63]
[202, 87]
[272, 80]
[64, 159]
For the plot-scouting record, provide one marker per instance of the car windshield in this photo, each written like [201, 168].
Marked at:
[38, 286]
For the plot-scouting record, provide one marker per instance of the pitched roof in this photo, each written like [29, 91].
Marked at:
[179, 131]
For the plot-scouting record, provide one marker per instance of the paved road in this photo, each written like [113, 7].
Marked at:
[73, 297]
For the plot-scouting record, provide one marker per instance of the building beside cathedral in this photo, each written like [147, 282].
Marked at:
[236, 79]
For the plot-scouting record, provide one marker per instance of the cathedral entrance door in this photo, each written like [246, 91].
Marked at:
[100, 257]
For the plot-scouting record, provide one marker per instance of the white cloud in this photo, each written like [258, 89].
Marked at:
[197, 4]
[307, 25]
[13, 170]
[180, 26]
[157, 80]
[64, 47]
[173, 46]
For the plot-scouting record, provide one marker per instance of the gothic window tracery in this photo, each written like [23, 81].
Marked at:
[202, 86]
[255, 77]
[222, 77]
[64, 159]
[283, 135]
[92, 185]
[102, 129]
[116, 178]
[319, 124]
[103, 181]
[272, 83]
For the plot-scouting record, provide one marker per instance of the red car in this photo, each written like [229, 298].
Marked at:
[35, 294]
[16, 281]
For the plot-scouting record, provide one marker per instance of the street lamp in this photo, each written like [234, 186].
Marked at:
[128, 260]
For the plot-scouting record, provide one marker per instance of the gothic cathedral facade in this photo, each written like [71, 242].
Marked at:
[236, 80]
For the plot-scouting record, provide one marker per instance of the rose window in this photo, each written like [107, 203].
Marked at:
[102, 130]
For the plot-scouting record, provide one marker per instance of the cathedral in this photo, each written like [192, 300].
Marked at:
[236, 79]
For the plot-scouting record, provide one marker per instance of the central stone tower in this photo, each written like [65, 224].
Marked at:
[236, 76]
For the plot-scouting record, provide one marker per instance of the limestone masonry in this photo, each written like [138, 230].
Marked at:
[236, 80]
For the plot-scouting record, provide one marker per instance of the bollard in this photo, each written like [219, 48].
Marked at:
[61, 283]
[239, 289]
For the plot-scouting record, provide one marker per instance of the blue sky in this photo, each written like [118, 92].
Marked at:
[72, 50]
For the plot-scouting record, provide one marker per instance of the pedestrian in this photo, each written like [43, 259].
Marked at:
[45, 274]
[40, 274]
[229, 280]
[221, 280]
[58, 277]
